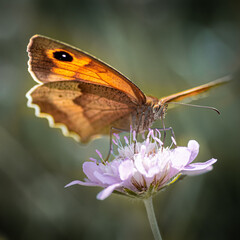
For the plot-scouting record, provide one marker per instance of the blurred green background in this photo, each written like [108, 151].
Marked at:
[163, 47]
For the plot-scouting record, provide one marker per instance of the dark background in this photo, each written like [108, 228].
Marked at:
[163, 47]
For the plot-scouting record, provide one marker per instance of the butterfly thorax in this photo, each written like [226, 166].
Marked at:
[147, 114]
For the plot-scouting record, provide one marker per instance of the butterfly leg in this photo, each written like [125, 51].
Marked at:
[164, 129]
[112, 129]
[137, 131]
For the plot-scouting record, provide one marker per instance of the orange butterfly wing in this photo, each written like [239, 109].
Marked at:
[45, 67]
[77, 93]
[82, 110]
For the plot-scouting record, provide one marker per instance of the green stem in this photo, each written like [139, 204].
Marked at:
[152, 218]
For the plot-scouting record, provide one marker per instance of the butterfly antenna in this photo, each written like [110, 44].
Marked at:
[198, 106]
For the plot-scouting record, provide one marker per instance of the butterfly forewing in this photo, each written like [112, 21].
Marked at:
[46, 65]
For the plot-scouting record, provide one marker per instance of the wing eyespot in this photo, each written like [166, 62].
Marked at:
[63, 56]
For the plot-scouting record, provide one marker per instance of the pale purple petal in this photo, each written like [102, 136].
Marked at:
[199, 168]
[193, 146]
[180, 157]
[89, 168]
[153, 171]
[138, 161]
[198, 172]
[126, 169]
[107, 191]
[105, 179]
[81, 183]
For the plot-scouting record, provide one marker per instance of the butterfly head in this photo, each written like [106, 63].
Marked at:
[159, 110]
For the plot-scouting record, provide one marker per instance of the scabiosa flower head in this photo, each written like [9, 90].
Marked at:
[141, 169]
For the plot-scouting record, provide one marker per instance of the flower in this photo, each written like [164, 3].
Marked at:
[142, 169]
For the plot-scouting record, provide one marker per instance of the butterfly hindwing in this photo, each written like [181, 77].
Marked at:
[81, 109]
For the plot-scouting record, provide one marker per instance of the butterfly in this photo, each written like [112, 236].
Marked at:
[85, 97]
